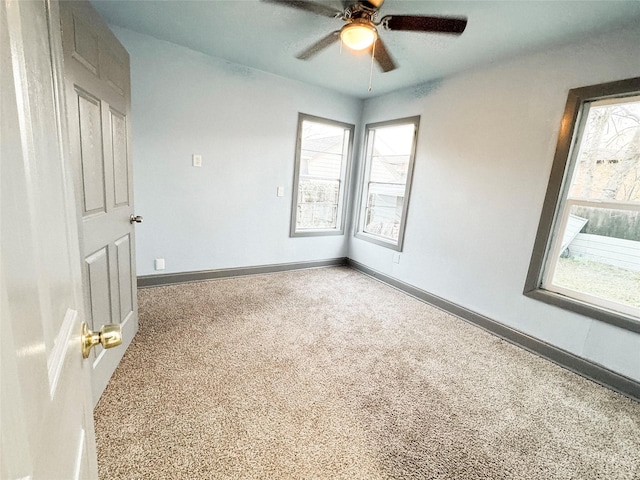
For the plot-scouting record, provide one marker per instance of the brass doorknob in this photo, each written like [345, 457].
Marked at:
[109, 336]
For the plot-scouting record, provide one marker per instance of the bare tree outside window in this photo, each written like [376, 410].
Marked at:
[608, 164]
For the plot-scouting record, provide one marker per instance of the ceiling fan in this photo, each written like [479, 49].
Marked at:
[360, 30]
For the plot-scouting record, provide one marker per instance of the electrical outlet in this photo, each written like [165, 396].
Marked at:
[197, 160]
[159, 263]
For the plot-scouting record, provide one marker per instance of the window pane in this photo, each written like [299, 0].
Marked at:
[389, 169]
[608, 161]
[317, 204]
[384, 210]
[325, 165]
[602, 259]
[316, 216]
[320, 137]
[394, 140]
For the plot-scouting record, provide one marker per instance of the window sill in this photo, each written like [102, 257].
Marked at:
[609, 316]
[379, 241]
[315, 233]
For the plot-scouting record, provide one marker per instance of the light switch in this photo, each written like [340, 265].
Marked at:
[159, 263]
[197, 160]
[280, 192]
[396, 257]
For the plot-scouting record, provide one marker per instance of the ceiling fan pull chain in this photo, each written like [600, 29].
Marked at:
[373, 54]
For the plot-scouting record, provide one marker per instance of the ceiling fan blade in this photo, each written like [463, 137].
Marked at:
[320, 9]
[319, 45]
[382, 56]
[417, 23]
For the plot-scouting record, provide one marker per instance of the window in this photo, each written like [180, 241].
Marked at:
[587, 254]
[389, 156]
[323, 155]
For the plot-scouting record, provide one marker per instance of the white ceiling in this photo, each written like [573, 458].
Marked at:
[267, 36]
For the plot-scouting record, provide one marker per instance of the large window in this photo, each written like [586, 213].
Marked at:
[389, 156]
[587, 255]
[323, 154]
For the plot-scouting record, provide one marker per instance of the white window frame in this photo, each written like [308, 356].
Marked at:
[343, 180]
[365, 183]
[557, 206]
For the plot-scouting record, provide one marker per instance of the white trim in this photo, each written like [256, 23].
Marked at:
[592, 299]
[616, 99]
[610, 205]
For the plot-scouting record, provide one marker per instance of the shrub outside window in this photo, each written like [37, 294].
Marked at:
[587, 255]
[323, 153]
[389, 159]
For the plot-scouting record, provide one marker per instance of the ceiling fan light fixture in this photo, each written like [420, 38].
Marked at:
[358, 36]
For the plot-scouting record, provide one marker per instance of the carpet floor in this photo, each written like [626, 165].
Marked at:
[330, 374]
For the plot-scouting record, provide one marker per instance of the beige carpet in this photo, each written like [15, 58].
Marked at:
[329, 374]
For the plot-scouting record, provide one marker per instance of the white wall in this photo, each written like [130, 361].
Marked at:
[243, 122]
[485, 148]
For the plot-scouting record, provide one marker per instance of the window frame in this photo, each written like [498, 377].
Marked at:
[343, 192]
[365, 180]
[569, 136]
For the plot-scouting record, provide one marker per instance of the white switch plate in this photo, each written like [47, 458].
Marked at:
[197, 161]
[396, 258]
[159, 263]
[280, 191]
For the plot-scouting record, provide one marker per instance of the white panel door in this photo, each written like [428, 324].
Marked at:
[98, 98]
[46, 404]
